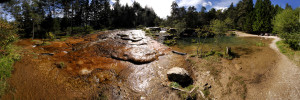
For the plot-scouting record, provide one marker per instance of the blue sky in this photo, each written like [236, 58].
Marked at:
[162, 7]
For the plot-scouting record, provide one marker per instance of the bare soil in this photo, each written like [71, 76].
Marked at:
[283, 80]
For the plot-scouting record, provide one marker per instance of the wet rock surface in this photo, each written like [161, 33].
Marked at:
[130, 45]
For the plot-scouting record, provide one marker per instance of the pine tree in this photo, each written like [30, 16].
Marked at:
[249, 16]
[231, 13]
[287, 6]
[267, 6]
[258, 22]
[244, 14]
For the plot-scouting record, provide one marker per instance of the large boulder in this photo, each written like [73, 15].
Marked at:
[179, 75]
[131, 45]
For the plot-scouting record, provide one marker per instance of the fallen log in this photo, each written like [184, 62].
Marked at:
[47, 54]
[180, 53]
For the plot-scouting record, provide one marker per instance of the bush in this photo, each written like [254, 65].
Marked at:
[287, 21]
[218, 27]
[293, 39]
[6, 61]
[170, 42]
[7, 33]
[50, 36]
[80, 30]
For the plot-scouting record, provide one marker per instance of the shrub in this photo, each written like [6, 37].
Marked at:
[287, 21]
[6, 61]
[8, 54]
[80, 30]
[293, 39]
[170, 42]
[50, 36]
[7, 33]
[218, 27]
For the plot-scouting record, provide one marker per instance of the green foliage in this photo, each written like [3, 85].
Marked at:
[287, 25]
[7, 33]
[293, 39]
[206, 92]
[260, 44]
[50, 36]
[8, 52]
[229, 23]
[61, 65]
[45, 43]
[290, 53]
[170, 42]
[175, 85]
[263, 16]
[7, 60]
[218, 27]
[287, 21]
[80, 30]
[180, 27]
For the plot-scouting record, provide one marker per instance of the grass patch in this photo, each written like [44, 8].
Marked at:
[45, 43]
[175, 85]
[185, 93]
[290, 53]
[7, 59]
[260, 44]
[61, 65]
[63, 39]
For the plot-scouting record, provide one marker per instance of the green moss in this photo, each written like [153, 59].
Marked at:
[7, 60]
[170, 42]
[260, 44]
[45, 43]
[206, 92]
[63, 39]
[175, 85]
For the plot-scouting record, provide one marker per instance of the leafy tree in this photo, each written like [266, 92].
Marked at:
[229, 23]
[287, 21]
[7, 33]
[218, 27]
[191, 17]
[287, 25]
[245, 15]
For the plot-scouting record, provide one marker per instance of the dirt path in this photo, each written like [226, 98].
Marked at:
[282, 83]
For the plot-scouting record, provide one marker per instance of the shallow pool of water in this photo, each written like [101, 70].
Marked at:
[190, 45]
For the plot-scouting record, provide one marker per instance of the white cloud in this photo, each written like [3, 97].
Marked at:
[224, 4]
[190, 2]
[161, 7]
[207, 4]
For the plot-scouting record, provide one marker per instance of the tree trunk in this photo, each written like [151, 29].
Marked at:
[32, 30]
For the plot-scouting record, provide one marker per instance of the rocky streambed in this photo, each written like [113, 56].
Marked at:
[132, 65]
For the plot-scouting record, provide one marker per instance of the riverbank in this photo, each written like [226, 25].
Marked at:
[283, 82]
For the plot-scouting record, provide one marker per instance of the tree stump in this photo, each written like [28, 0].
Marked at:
[228, 51]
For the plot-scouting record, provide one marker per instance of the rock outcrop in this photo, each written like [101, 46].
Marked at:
[179, 75]
[130, 45]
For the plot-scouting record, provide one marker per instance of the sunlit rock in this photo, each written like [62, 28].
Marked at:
[179, 75]
[131, 45]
